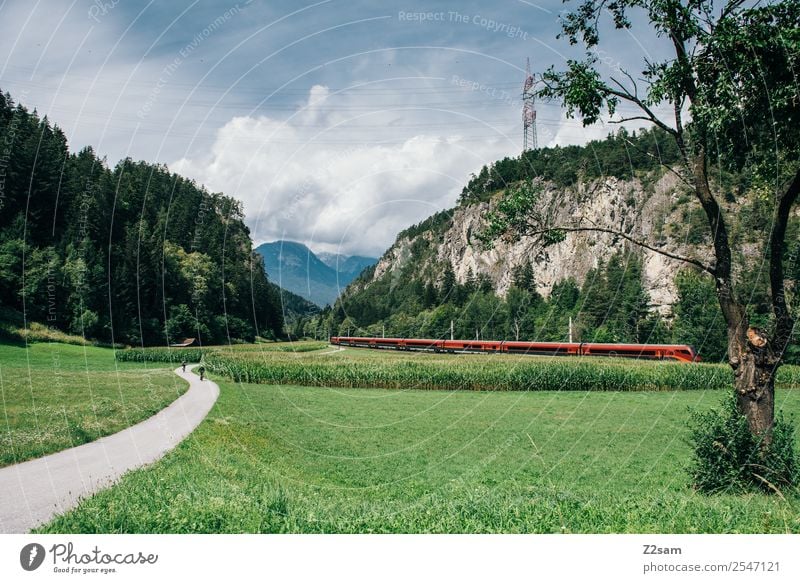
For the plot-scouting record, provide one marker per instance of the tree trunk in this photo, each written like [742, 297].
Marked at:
[754, 379]
[755, 394]
[750, 353]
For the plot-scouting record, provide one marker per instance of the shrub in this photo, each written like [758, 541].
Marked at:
[36, 332]
[729, 458]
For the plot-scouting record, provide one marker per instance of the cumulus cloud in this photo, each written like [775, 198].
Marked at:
[341, 171]
[340, 176]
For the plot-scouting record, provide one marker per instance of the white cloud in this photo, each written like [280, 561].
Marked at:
[344, 172]
[103, 84]
[337, 177]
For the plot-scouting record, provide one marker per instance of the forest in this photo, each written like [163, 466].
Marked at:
[612, 305]
[133, 254]
[621, 154]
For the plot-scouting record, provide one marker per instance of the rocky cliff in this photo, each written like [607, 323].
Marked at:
[646, 208]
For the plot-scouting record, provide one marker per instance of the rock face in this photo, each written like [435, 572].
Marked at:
[647, 212]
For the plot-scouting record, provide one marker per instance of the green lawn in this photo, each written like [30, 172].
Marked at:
[55, 396]
[303, 459]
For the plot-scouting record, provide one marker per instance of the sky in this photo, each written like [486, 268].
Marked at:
[338, 123]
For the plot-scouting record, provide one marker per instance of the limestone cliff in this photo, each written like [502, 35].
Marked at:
[646, 208]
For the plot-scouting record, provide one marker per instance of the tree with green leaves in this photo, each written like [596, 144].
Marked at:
[348, 327]
[523, 277]
[448, 284]
[132, 254]
[698, 320]
[729, 86]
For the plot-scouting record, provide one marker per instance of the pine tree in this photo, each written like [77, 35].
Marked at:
[448, 284]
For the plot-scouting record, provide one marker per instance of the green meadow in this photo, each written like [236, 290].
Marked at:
[306, 459]
[284, 458]
[56, 396]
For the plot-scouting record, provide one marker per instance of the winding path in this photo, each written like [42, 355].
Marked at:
[33, 492]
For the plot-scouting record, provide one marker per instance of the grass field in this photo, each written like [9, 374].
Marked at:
[55, 396]
[359, 367]
[195, 353]
[287, 458]
[305, 459]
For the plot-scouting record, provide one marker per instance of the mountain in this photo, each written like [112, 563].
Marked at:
[411, 278]
[296, 268]
[439, 274]
[625, 205]
[607, 182]
[348, 265]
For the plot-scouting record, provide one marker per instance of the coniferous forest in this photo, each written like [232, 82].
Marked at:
[612, 305]
[132, 254]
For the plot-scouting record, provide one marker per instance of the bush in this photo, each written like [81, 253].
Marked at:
[36, 332]
[728, 457]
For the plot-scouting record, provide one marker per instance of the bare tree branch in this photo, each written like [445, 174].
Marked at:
[595, 229]
[623, 93]
[631, 118]
[633, 83]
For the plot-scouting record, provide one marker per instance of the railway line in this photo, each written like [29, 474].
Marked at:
[679, 352]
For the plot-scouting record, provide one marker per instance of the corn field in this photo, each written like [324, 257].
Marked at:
[160, 355]
[536, 375]
[296, 364]
[300, 346]
[195, 354]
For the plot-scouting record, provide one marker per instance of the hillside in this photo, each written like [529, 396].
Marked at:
[299, 270]
[293, 306]
[131, 254]
[606, 201]
[439, 271]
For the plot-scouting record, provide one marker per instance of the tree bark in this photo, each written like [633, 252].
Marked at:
[784, 322]
[754, 369]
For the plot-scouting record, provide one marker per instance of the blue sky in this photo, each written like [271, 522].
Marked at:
[338, 123]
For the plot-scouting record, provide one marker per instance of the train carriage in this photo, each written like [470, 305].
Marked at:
[679, 352]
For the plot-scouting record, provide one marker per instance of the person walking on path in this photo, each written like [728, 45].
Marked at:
[202, 371]
[183, 366]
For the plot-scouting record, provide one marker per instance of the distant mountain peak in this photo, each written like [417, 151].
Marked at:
[319, 278]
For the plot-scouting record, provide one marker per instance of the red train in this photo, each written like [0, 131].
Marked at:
[680, 352]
